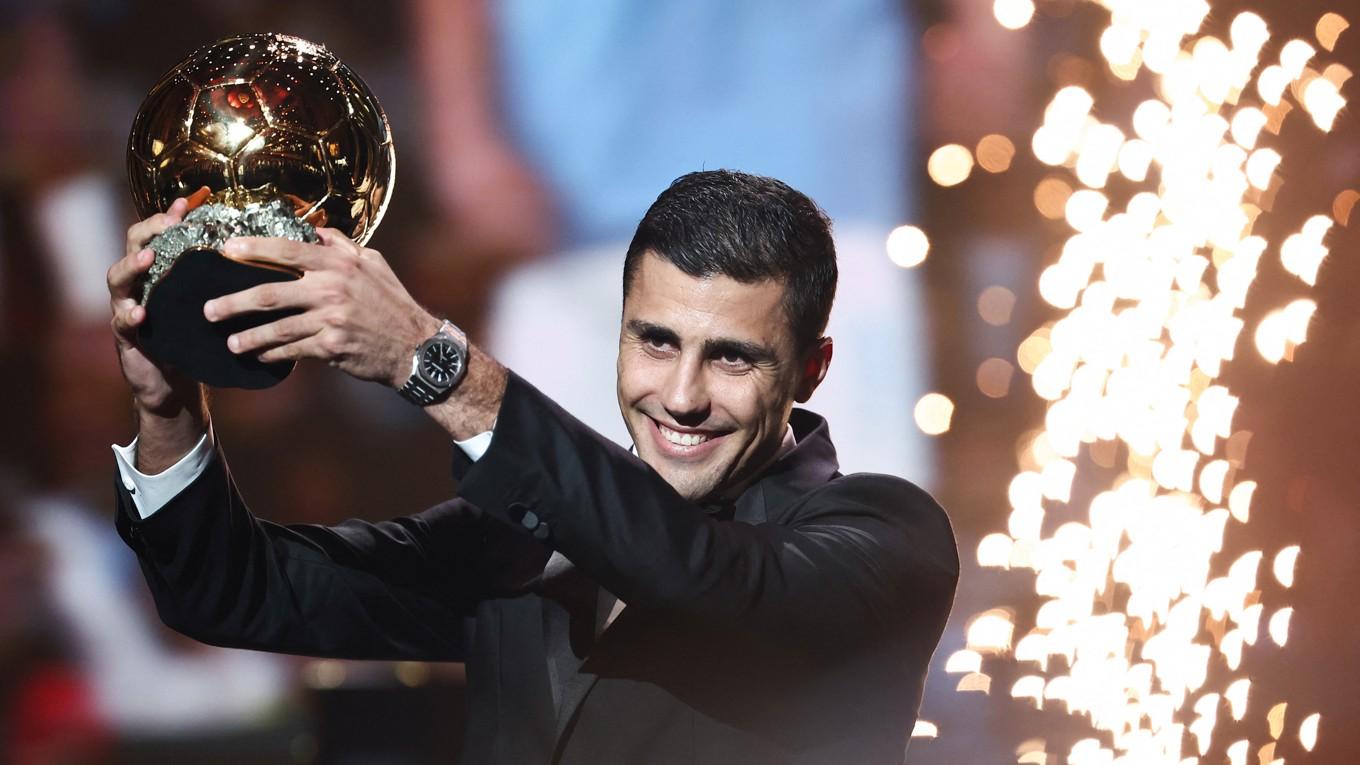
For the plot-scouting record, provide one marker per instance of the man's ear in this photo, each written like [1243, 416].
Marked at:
[814, 369]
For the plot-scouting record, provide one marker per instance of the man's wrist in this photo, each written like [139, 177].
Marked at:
[474, 405]
[422, 327]
[438, 364]
[163, 439]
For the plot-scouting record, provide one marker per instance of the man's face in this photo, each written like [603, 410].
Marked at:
[708, 372]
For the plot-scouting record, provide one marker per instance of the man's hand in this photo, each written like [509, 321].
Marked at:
[155, 390]
[355, 314]
[171, 410]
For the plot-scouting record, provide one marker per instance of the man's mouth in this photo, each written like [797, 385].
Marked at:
[685, 444]
[682, 439]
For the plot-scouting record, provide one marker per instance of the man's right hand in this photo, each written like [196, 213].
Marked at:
[171, 410]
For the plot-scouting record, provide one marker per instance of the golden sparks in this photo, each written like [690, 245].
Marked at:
[1140, 608]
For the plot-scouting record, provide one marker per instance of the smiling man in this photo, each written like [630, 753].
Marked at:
[723, 595]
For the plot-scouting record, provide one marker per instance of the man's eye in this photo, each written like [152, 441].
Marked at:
[733, 361]
[657, 345]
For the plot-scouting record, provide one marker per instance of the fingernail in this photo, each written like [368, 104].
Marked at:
[235, 245]
[234, 343]
[210, 310]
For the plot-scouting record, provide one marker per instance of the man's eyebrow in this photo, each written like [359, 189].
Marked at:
[755, 352]
[712, 348]
[646, 329]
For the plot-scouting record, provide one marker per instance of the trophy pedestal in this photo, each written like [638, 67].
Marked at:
[176, 334]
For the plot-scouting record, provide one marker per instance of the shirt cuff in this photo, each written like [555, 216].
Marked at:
[152, 492]
[476, 446]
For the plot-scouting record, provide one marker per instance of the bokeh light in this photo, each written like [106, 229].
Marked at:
[995, 305]
[950, 164]
[995, 153]
[933, 413]
[1050, 197]
[1013, 14]
[994, 377]
[907, 246]
[1328, 28]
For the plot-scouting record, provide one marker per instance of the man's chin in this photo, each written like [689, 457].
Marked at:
[688, 484]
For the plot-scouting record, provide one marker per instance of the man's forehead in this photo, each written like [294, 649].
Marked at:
[661, 294]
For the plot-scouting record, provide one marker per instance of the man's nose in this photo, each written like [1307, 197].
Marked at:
[686, 393]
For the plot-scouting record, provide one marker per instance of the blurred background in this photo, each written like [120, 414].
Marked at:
[531, 136]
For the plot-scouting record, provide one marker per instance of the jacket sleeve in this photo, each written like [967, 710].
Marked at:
[863, 555]
[399, 589]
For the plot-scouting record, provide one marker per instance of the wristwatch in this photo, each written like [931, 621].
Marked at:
[437, 366]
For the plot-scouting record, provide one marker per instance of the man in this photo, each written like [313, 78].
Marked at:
[723, 596]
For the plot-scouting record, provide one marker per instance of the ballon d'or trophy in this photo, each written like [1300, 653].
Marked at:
[280, 137]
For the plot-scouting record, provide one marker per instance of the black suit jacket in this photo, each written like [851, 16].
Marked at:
[793, 626]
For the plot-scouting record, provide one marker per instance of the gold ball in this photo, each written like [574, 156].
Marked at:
[263, 111]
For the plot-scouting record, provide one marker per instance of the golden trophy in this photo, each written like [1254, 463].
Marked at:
[268, 135]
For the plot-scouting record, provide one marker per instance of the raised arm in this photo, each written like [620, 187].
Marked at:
[855, 558]
[862, 554]
[398, 589]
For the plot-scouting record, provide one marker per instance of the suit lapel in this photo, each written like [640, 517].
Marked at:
[571, 614]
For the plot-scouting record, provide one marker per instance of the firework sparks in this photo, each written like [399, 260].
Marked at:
[1140, 608]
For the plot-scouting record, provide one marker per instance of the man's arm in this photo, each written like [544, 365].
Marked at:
[399, 589]
[865, 556]
[356, 316]
[391, 590]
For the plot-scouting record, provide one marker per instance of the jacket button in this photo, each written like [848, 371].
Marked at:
[529, 520]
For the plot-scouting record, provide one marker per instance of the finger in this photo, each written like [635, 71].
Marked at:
[287, 330]
[303, 256]
[306, 348]
[336, 238]
[332, 237]
[124, 273]
[263, 297]
[125, 322]
[141, 232]
[197, 198]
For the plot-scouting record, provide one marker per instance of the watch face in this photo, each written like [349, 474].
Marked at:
[440, 363]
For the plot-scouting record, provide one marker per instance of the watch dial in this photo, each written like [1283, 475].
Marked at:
[440, 363]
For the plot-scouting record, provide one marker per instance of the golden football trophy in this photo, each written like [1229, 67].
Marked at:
[284, 137]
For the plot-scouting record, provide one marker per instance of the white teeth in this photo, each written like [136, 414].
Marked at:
[681, 439]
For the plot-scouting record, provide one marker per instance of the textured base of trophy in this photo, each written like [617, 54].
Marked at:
[189, 270]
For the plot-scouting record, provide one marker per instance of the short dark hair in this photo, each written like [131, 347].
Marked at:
[749, 228]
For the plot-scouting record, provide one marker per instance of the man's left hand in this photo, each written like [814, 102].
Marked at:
[355, 314]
